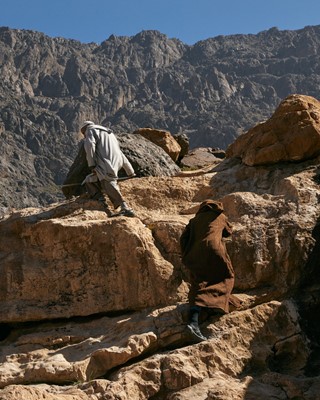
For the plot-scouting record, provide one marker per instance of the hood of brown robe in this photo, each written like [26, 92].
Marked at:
[211, 206]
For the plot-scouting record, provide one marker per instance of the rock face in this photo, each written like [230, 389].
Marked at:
[163, 139]
[291, 134]
[81, 269]
[202, 157]
[95, 308]
[212, 91]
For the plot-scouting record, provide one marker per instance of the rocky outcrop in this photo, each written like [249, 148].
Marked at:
[291, 134]
[212, 367]
[201, 157]
[80, 270]
[266, 348]
[212, 91]
[163, 139]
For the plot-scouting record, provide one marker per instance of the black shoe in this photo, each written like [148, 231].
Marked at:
[195, 333]
[126, 212]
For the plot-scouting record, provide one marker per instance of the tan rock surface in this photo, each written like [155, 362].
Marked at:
[163, 139]
[261, 350]
[291, 134]
[79, 351]
[82, 351]
[79, 265]
[201, 157]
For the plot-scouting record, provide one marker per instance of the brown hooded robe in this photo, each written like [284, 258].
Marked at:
[205, 255]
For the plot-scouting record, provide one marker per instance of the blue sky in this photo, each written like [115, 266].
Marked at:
[187, 20]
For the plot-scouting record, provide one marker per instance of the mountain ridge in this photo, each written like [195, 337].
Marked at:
[212, 91]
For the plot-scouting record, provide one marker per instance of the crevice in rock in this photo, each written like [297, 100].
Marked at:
[276, 362]
[11, 328]
[113, 371]
[5, 331]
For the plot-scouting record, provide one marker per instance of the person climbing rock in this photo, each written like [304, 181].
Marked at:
[105, 159]
[205, 255]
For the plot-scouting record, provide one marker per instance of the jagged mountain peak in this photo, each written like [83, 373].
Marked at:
[212, 91]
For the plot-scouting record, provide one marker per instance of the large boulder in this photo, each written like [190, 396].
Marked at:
[291, 134]
[201, 157]
[163, 139]
[72, 261]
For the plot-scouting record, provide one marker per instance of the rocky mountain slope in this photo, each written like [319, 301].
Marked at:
[95, 308]
[213, 91]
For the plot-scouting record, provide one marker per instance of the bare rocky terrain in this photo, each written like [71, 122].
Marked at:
[212, 91]
[95, 308]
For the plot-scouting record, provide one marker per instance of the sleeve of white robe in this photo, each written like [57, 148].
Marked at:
[127, 166]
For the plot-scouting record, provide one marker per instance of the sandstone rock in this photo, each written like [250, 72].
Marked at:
[64, 243]
[201, 157]
[81, 263]
[43, 391]
[260, 350]
[244, 344]
[81, 351]
[271, 386]
[291, 134]
[166, 198]
[163, 139]
[84, 351]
